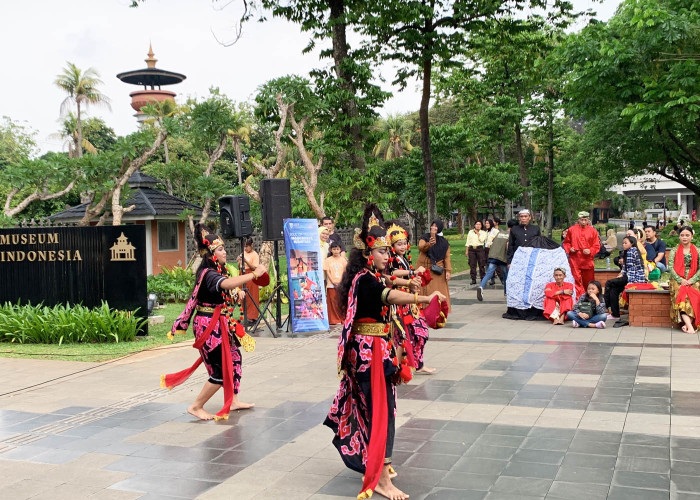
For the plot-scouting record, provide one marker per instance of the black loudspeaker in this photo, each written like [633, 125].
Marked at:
[276, 205]
[234, 214]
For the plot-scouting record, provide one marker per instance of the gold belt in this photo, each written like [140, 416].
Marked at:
[371, 329]
[205, 309]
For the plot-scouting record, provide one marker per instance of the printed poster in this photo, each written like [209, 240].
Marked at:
[307, 291]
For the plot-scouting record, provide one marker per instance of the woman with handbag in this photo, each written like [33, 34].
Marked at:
[435, 255]
[589, 311]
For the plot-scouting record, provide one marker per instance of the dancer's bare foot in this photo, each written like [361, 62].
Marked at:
[392, 473]
[387, 489]
[240, 405]
[426, 370]
[200, 413]
[688, 329]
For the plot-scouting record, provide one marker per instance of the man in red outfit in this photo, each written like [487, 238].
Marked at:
[582, 243]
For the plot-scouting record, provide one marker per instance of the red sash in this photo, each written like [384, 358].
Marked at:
[174, 379]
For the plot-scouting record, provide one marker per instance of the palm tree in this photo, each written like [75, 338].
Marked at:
[81, 87]
[69, 133]
[396, 131]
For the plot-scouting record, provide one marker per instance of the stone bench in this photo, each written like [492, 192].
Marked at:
[650, 308]
[603, 275]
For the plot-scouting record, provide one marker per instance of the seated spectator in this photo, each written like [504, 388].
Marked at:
[632, 272]
[603, 252]
[558, 297]
[589, 311]
[611, 242]
[658, 247]
[685, 282]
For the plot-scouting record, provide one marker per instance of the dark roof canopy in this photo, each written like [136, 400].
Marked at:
[151, 77]
[150, 203]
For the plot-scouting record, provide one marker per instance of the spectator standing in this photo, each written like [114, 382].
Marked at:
[659, 248]
[328, 223]
[498, 256]
[252, 261]
[558, 297]
[475, 251]
[589, 311]
[491, 228]
[435, 255]
[333, 268]
[582, 244]
[632, 272]
[564, 232]
[323, 235]
[685, 282]
[522, 233]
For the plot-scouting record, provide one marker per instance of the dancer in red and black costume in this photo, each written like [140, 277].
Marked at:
[218, 334]
[363, 413]
[408, 280]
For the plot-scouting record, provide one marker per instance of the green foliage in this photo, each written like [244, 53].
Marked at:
[172, 284]
[27, 324]
[635, 79]
[17, 142]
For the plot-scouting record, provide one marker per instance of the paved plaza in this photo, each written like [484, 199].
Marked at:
[516, 410]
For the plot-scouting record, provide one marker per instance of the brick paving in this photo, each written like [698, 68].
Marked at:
[516, 410]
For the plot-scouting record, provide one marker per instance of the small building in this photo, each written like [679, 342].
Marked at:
[166, 233]
[656, 190]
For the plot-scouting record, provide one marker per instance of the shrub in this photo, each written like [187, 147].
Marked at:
[28, 324]
[172, 284]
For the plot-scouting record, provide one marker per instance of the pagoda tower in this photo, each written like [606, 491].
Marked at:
[152, 79]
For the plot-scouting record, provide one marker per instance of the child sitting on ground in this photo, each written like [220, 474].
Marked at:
[590, 310]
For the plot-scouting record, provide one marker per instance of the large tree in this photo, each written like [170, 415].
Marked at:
[636, 80]
[421, 34]
[82, 89]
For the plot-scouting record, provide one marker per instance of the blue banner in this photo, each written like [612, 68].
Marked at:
[307, 290]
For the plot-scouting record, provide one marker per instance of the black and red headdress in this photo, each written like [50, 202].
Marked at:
[372, 233]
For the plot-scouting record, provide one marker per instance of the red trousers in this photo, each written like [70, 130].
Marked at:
[581, 278]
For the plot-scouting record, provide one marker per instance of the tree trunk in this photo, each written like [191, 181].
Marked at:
[340, 54]
[165, 152]
[524, 181]
[460, 222]
[80, 131]
[550, 177]
[502, 159]
[239, 159]
[213, 158]
[428, 169]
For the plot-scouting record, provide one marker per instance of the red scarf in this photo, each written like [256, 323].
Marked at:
[685, 291]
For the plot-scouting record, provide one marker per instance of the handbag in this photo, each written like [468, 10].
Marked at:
[435, 269]
[586, 307]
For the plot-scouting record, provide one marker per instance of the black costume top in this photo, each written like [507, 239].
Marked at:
[519, 235]
[209, 291]
[371, 298]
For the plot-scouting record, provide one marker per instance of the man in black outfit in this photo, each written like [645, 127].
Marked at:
[522, 233]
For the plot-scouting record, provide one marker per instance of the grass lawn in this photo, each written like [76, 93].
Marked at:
[157, 336]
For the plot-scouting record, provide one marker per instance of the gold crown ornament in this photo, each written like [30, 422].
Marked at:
[396, 233]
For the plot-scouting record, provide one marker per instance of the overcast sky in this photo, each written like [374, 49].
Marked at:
[39, 36]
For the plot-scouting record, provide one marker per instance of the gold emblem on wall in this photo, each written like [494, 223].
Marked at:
[122, 249]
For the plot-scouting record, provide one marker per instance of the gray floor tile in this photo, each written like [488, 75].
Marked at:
[622, 493]
[538, 456]
[495, 452]
[577, 491]
[635, 450]
[542, 443]
[523, 469]
[690, 484]
[584, 475]
[643, 464]
[522, 485]
[685, 454]
[480, 465]
[453, 494]
[641, 480]
[465, 480]
[588, 460]
[593, 447]
[432, 461]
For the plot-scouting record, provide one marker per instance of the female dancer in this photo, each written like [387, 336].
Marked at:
[363, 412]
[213, 325]
[684, 283]
[401, 267]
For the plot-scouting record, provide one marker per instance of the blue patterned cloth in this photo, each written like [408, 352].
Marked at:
[530, 271]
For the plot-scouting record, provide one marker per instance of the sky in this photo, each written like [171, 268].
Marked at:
[40, 36]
